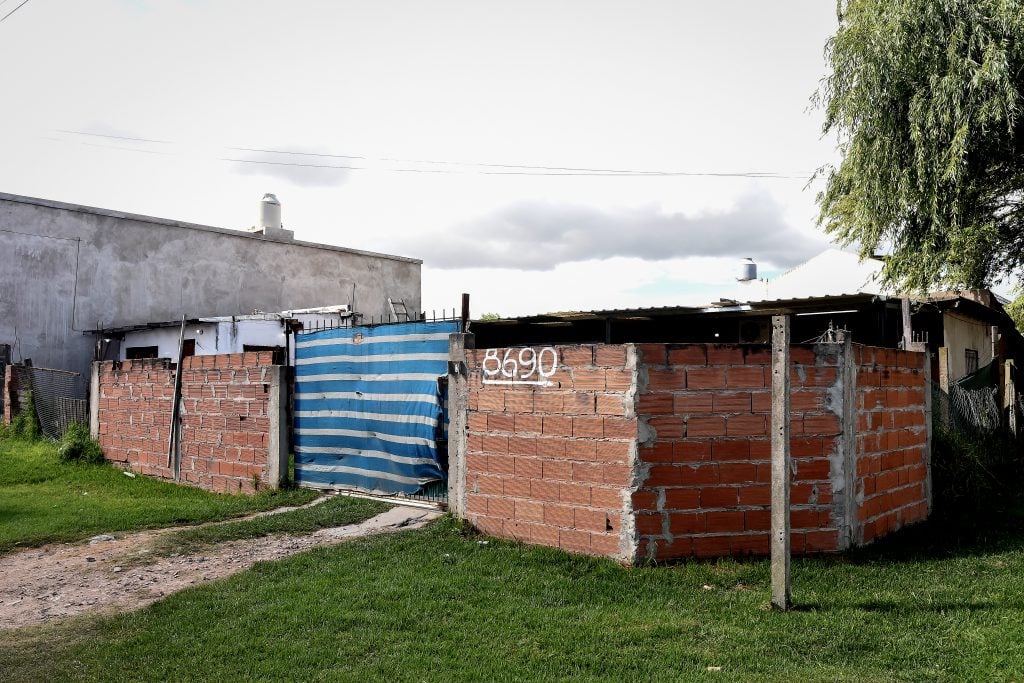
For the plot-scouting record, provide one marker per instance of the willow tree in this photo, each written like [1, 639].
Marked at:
[925, 99]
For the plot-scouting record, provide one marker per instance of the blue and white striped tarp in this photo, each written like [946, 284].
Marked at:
[367, 406]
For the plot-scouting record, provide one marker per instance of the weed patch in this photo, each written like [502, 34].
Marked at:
[77, 445]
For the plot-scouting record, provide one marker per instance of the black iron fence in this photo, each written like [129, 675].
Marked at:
[60, 397]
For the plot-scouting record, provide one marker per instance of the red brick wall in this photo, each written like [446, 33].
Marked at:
[661, 451]
[550, 465]
[891, 445]
[706, 457]
[224, 422]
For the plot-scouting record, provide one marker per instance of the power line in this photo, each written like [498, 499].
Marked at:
[117, 147]
[468, 168]
[567, 173]
[302, 154]
[113, 137]
[556, 170]
[24, 2]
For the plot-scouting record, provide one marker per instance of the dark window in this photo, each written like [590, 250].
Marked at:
[278, 351]
[188, 347]
[971, 360]
[137, 352]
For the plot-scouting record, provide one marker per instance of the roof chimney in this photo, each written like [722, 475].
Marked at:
[269, 224]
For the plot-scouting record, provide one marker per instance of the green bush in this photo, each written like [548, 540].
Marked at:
[25, 424]
[78, 446]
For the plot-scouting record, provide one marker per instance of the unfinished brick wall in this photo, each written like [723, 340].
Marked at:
[226, 422]
[703, 488]
[550, 464]
[661, 451]
[892, 440]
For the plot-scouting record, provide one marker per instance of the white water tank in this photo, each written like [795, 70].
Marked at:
[270, 213]
[747, 271]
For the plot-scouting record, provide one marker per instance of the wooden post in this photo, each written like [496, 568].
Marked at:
[1010, 395]
[944, 410]
[780, 463]
[944, 368]
[172, 438]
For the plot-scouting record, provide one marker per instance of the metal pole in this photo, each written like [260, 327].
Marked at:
[465, 311]
[173, 436]
[780, 550]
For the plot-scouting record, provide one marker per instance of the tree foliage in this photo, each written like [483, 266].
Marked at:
[1015, 309]
[924, 96]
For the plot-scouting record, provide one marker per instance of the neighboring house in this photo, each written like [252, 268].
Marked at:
[219, 335]
[67, 269]
[831, 291]
[970, 325]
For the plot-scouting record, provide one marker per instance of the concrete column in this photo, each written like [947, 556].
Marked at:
[908, 334]
[279, 438]
[780, 550]
[850, 530]
[928, 430]
[94, 401]
[458, 420]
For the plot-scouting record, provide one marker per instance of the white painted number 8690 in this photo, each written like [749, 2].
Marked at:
[520, 367]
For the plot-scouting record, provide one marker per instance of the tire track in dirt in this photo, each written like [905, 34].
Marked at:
[101, 576]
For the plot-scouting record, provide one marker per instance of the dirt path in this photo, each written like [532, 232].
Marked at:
[61, 580]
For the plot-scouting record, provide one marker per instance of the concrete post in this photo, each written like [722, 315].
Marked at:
[780, 550]
[850, 529]
[908, 334]
[94, 401]
[279, 438]
[928, 430]
[458, 421]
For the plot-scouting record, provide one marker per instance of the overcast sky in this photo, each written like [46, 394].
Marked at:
[443, 131]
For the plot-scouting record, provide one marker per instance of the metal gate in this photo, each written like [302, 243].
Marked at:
[368, 407]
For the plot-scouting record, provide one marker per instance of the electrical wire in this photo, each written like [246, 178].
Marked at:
[467, 167]
[112, 137]
[24, 2]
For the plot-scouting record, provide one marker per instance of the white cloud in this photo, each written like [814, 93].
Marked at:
[543, 235]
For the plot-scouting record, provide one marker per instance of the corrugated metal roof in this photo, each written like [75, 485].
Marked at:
[341, 310]
[722, 306]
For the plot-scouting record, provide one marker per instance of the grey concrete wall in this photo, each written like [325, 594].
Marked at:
[66, 269]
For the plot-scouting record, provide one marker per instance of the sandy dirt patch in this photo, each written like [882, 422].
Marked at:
[62, 580]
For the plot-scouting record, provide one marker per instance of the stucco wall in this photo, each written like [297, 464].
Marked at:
[962, 333]
[66, 269]
[210, 337]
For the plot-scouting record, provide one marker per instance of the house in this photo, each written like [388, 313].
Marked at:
[963, 331]
[643, 434]
[210, 336]
[66, 270]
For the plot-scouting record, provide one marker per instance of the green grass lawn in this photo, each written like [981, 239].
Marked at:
[437, 605]
[43, 499]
